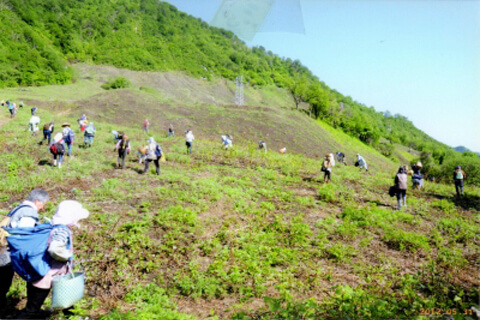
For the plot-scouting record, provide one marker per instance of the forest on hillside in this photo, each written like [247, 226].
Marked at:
[39, 40]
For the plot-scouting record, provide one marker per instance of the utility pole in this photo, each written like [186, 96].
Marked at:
[239, 98]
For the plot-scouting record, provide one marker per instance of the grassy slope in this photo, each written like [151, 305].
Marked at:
[219, 231]
[205, 106]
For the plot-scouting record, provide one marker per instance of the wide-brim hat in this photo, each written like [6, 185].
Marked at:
[66, 124]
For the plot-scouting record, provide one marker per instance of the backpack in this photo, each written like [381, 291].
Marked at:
[60, 148]
[69, 137]
[28, 250]
[46, 126]
[53, 149]
[459, 175]
[57, 148]
[5, 222]
[90, 130]
[158, 151]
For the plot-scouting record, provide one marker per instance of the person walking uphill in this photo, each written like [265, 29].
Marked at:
[57, 148]
[154, 153]
[341, 157]
[82, 122]
[24, 215]
[417, 177]
[33, 125]
[123, 147]
[68, 137]
[327, 168]
[11, 108]
[458, 176]
[171, 133]
[60, 251]
[47, 132]
[90, 131]
[189, 137]
[401, 186]
[146, 125]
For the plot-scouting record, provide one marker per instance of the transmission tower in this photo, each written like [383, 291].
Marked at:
[239, 99]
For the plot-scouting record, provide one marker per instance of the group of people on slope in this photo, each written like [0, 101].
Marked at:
[12, 107]
[401, 182]
[62, 141]
[329, 162]
[152, 152]
[66, 138]
[146, 128]
[60, 248]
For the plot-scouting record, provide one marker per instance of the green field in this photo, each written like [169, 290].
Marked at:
[243, 234]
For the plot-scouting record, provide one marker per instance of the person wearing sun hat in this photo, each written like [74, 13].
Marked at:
[57, 149]
[60, 248]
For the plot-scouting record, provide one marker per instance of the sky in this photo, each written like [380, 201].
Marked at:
[420, 59]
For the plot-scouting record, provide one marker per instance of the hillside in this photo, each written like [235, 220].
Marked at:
[241, 234]
[205, 106]
[227, 234]
[42, 39]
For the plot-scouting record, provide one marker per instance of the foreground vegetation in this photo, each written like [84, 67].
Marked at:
[242, 234]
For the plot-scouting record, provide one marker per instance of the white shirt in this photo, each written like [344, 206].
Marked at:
[189, 136]
[35, 120]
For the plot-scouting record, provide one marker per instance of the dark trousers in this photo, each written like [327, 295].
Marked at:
[459, 186]
[401, 194]
[327, 176]
[47, 134]
[6, 277]
[35, 299]
[147, 164]
[122, 154]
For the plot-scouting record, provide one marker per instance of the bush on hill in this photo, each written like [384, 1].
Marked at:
[117, 83]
